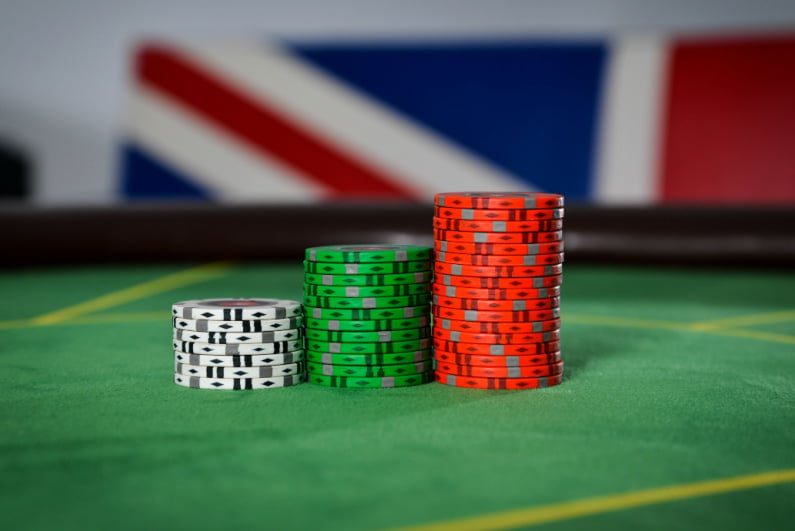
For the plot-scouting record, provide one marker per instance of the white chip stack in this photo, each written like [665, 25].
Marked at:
[238, 344]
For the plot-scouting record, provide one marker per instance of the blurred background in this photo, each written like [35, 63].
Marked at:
[614, 103]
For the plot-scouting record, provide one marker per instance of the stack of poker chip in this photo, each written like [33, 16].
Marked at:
[238, 343]
[368, 315]
[497, 282]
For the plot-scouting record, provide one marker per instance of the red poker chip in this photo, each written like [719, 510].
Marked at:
[482, 349]
[498, 237]
[495, 260]
[498, 200]
[504, 310]
[528, 371]
[553, 334]
[480, 214]
[499, 283]
[497, 226]
[488, 360]
[497, 383]
[496, 293]
[502, 254]
[446, 268]
[479, 327]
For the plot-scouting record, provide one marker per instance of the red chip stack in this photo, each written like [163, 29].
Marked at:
[496, 300]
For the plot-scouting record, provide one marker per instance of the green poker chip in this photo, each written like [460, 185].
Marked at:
[328, 268]
[368, 280]
[370, 325]
[368, 253]
[358, 314]
[362, 382]
[365, 303]
[369, 348]
[366, 337]
[367, 291]
[370, 371]
[400, 358]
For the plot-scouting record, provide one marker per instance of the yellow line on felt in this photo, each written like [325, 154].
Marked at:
[752, 334]
[90, 319]
[605, 504]
[629, 322]
[118, 318]
[139, 291]
[745, 320]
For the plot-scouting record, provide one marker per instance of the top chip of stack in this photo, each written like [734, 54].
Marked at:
[238, 343]
[497, 289]
[368, 315]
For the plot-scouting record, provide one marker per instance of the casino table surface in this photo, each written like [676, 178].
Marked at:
[677, 412]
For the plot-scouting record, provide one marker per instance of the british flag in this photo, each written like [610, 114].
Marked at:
[641, 119]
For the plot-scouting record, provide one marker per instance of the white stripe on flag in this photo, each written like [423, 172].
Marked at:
[370, 131]
[229, 169]
[628, 154]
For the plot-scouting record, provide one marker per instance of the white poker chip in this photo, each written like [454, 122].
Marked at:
[260, 325]
[233, 349]
[237, 309]
[238, 372]
[239, 337]
[257, 360]
[238, 384]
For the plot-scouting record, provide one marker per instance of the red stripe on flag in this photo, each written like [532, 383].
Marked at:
[262, 127]
[730, 135]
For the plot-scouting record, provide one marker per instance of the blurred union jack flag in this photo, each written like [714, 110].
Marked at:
[641, 119]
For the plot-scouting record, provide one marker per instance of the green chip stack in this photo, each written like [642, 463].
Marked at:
[367, 313]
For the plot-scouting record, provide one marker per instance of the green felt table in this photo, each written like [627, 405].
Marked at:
[677, 412]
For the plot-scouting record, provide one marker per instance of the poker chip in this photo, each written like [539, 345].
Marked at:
[232, 349]
[495, 293]
[498, 200]
[328, 268]
[476, 360]
[495, 259]
[238, 384]
[241, 360]
[390, 347]
[368, 253]
[263, 371]
[498, 237]
[525, 371]
[367, 360]
[371, 325]
[445, 268]
[369, 280]
[360, 382]
[260, 325]
[237, 309]
[366, 291]
[497, 383]
[367, 302]
[513, 308]
[484, 214]
[496, 282]
[499, 328]
[238, 344]
[239, 337]
[496, 289]
[501, 339]
[383, 336]
[497, 226]
[368, 315]
[482, 349]
[369, 371]
[498, 251]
